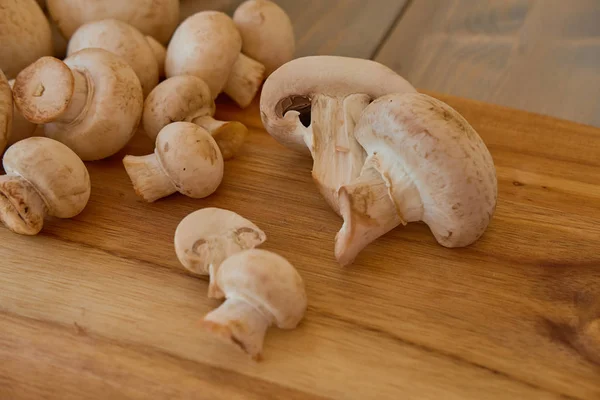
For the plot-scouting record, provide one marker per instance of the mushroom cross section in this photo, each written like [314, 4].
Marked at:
[92, 102]
[261, 289]
[43, 178]
[207, 237]
[188, 98]
[6, 111]
[425, 163]
[312, 104]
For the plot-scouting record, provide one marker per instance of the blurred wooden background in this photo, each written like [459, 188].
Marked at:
[535, 55]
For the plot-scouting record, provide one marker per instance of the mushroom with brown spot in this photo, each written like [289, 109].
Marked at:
[21, 128]
[312, 104]
[208, 45]
[188, 98]
[92, 102]
[207, 237]
[156, 18]
[186, 159]
[261, 289]
[267, 33]
[25, 35]
[124, 40]
[43, 178]
[425, 163]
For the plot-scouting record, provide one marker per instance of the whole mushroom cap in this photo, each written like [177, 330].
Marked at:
[176, 99]
[54, 170]
[290, 89]
[6, 111]
[191, 158]
[205, 45]
[157, 18]
[267, 281]
[122, 39]
[25, 35]
[267, 33]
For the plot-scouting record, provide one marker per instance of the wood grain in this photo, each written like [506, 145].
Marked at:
[539, 56]
[99, 307]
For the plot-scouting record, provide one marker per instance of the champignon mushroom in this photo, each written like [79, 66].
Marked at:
[21, 128]
[261, 289]
[25, 35]
[425, 163]
[207, 45]
[267, 33]
[6, 111]
[186, 159]
[121, 39]
[188, 98]
[43, 178]
[160, 54]
[156, 18]
[92, 102]
[205, 238]
[313, 103]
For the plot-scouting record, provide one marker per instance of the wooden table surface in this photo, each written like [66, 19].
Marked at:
[98, 307]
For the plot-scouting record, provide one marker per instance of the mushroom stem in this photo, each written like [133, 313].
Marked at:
[244, 80]
[338, 157]
[370, 209]
[229, 135]
[78, 102]
[22, 209]
[239, 323]
[148, 177]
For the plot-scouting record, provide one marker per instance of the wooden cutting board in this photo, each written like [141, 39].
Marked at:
[98, 307]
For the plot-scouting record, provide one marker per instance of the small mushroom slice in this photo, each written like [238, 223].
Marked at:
[186, 159]
[92, 102]
[261, 289]
[121, 39]
[205, 238]
[425, 163]
[188, 98]
[156, 18]
[267, 33]
[312, 104]
[207, 45]
[25, 35]
[43, 178]
[6, 111]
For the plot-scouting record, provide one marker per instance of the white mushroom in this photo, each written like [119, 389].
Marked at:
[25, 35]
[186, 159]
[312, 104]
[425, 163]
[92, 102]
[157, 18]
[22, 128]
[6, 111]
[267, 33]
[262, 289]
[124, 40]
[43, 178]
[188, 98]
[205, 238]
[207, 45]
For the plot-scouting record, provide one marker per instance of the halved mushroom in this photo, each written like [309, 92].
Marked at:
[188, 98]
[186, 159]
[25, 35]
[156, 18]
[262, 288]
[425, 163]
[267, 33]
[6, 111]
[124, 40]
[207, 45]
[312, 104]
[92, 102]
[205, 238]
[43, 178]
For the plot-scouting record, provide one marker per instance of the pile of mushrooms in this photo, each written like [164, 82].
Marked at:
[384, 155]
